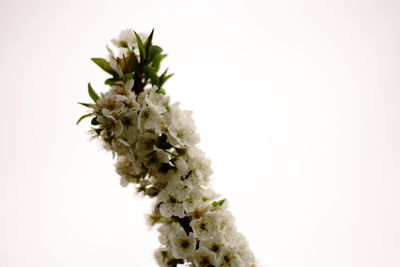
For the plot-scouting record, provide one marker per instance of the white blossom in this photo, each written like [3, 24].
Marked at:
[194, 178]
[215, 245]
[207, 226]
[150, 119]
[181, 164]
[127, 39]
[155, 100]
[156, 147]
[229, 258]
[181, 127]
[183, 133]
[163, 256]
[145, 143]
[197, 161]
[183, 245]
[194, 200]
[172, 198]
[204, 257]
[165, 231]
[128, 168]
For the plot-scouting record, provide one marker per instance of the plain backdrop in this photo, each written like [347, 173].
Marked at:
[297, 104]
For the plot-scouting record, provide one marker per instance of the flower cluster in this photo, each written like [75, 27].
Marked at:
[155, 144]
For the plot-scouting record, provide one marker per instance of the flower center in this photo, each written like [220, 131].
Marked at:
[185, 244]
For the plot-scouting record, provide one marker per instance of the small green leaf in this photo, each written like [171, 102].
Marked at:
[148, 43]
[164, 77]
[151, 73]
[104, 65]
[83, 117]
[154, 51]
[92, 93]
[86, 105]
[142, 50]
[154, 79]
[112, 81]
[168, 76]
[218, 203]
[157, 60]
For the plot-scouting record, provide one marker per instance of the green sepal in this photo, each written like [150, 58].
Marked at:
[86, 104]
[93, 95]
[218, 203]
[83, 117]
[104, 65]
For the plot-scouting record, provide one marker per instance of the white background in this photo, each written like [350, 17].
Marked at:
[297, 104]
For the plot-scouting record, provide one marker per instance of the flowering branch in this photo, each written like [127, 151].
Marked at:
[155, 144]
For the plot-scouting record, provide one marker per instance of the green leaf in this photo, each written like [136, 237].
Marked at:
[157, 60]
[152, 74]
[154, 79]
[154, 51]
[112, 81]
[218, 203]
[104, 65]
[168, 76]
[92, 93]
[86, 105]
[83, 117]
[142, 50]
[148, 43]
[164, 77]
